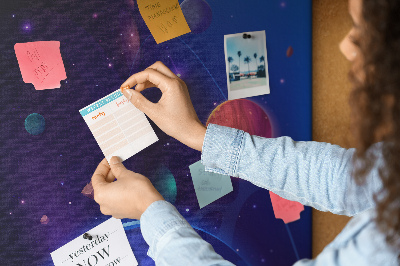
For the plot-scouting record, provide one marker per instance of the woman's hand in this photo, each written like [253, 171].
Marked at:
[174, 112]
[128, 197]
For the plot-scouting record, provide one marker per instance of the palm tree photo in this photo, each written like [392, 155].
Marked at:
[239, 51]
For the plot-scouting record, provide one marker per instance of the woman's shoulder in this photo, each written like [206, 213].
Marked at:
[362, 239]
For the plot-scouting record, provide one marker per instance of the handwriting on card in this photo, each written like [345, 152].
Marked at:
[120, 103]
[164, 18]
[209, 186]
[41, 63]
[100, 114]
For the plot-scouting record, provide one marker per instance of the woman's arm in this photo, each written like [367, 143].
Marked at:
[172, 240]
[312, 173]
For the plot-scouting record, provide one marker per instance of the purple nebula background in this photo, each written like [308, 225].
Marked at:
[102, 44]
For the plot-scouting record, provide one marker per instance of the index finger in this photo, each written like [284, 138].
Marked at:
[100, 174]
[158, 79]
[160, 67]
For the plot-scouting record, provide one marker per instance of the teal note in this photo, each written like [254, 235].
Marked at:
[209, 186]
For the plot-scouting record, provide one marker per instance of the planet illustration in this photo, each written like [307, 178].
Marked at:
[242, 114]
[198, 15]
[164, 182]
[130, 3]
[44, 219]
[35, 124]
[289, 51]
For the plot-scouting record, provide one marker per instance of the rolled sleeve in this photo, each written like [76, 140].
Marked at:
[221, 149]
[313, 173]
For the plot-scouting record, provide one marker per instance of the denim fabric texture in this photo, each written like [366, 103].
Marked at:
[312, 173]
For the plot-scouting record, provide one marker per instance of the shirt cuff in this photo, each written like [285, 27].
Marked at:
[221, 150]
[157, 220]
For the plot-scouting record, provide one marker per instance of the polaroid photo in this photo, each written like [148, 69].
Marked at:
[246, 64]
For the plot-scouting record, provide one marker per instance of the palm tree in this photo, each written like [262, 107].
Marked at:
[239, 54]
[234, 68]
[262, 59]
[255, 58]
[247, 60]
[230, 59]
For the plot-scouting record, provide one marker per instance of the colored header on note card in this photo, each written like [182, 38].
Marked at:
[100, 103]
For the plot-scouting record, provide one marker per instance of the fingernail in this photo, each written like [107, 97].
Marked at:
[125, 88]
[115, 160]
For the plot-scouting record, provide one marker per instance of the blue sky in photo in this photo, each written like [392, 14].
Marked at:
[248, 47]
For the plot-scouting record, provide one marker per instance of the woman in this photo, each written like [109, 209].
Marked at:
[362, 182]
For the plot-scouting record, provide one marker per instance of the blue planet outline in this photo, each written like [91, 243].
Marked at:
[35, 124]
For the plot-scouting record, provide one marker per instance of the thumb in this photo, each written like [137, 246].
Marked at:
[117, 167]
[138, 100]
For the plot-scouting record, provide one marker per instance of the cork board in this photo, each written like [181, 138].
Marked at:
[331, 89]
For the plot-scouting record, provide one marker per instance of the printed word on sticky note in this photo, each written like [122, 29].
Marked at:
[209, 186]
[118, 126]
[288, 211]
[108, 246]
[164, 18]
[41, 64]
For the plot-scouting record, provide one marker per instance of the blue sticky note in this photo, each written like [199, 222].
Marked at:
[209, 186]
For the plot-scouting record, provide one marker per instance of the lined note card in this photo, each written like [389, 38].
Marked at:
[118, 126]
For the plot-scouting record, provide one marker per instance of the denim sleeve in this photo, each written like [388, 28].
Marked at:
[312, 173]
[171, 239]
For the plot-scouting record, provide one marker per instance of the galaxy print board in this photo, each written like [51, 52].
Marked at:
[49, 154]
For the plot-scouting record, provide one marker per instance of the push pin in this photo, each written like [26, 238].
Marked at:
[88, 236]
[246, 36]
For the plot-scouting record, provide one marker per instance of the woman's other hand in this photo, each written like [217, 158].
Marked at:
[128, 197]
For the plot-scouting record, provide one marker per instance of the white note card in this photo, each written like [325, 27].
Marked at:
[118, 126]
[109, 246]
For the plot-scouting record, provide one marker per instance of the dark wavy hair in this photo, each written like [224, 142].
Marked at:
[375, 103]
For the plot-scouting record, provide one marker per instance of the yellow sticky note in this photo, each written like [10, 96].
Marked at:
[164, 18]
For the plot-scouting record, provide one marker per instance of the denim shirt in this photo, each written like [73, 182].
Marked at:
[312, 173]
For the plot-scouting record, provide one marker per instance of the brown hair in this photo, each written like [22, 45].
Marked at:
[375, 103]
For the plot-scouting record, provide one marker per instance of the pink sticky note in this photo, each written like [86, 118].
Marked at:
[288, 211]
[41, 64]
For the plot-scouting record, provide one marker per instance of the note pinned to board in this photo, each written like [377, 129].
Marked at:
[118, 126]
[209, 186]
[288, 211]
[164, 18]
[41, 64]
[108, 246]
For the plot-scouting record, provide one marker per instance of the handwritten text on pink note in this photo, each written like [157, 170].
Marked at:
[41, 64]
[288, 211]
